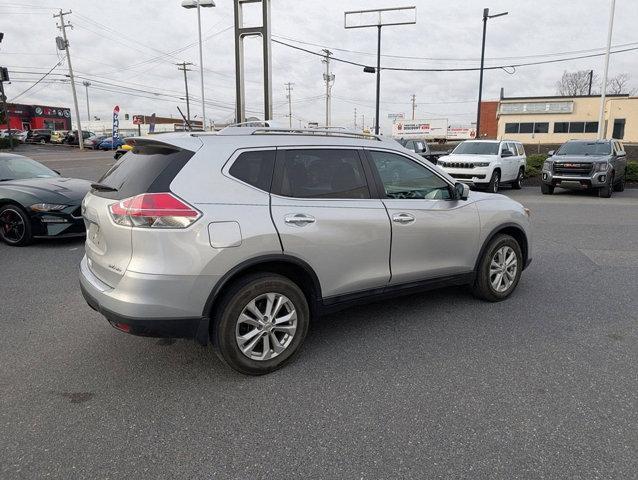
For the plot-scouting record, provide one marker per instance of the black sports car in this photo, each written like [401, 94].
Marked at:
[37, 202]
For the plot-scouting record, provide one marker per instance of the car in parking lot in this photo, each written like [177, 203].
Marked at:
[37, 202]
[240, 237]
[59, 136]
[108, 143]
[72, 137]
[39, 135]
[486, 164]
[94, 141]
[19, 136]
[586, 164]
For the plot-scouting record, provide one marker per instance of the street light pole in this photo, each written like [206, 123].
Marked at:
[87, 84]
[486, 15]
[601, 119]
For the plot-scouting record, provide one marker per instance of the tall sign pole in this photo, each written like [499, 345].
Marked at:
[62, 26]
[329, 78]
[601, 117]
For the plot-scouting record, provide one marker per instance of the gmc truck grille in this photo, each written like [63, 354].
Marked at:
[573, 168]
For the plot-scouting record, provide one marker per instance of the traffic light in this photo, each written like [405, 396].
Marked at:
[4, 74]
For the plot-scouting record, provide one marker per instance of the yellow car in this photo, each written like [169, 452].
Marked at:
[58, 136]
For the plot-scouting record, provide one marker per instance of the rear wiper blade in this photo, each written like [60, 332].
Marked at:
[103, 188]
[5, 179]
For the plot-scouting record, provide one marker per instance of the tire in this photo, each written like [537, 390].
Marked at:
[547, 189]
[492, 187]
[620, 186]
[518, 183]
[15, 226]
[483, 286]
[607, 190]
[235, 305]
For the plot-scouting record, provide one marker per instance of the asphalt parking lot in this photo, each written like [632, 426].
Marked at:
[436, 385]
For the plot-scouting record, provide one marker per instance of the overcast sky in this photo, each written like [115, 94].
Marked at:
[136, 43]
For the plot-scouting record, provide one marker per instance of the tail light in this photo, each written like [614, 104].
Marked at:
[154, 210]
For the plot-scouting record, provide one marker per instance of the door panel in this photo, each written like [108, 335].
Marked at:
[433, 234]
[324, 215]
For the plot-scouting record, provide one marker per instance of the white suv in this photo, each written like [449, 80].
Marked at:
[486, 164]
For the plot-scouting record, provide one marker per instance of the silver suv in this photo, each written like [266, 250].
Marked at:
[241, 237]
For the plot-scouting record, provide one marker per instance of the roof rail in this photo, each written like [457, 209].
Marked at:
[333, 132]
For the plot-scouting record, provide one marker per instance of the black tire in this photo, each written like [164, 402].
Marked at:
[18, 234]
[518, 183]
[231, 306]
[482, 287]
[607, 190]
[547, 189]
[495, 181]
[620, 186]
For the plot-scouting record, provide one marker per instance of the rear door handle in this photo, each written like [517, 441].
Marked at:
[299, 219]
[403, 218]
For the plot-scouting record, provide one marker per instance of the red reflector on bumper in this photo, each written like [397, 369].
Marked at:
[122, 327]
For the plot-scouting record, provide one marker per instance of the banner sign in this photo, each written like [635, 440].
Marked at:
[116, 125]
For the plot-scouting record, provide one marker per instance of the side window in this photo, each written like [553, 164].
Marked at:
[319, 173]
[404, 178]
[512, 148]
[520, 150]
[254, 168]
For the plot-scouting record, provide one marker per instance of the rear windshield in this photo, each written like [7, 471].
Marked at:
[477, 148]
[584, 148]
[145, 169]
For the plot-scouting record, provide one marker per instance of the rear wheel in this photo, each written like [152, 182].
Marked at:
[547, 189]
[518, 183]
[261, 323]
[15, 227]
[499, 269]
[607, 190]
[494, 182]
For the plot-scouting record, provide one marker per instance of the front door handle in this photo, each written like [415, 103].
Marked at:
[299, 219]
[403, 218]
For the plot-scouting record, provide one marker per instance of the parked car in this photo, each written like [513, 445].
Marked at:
[586, 164]
[486, 164]
[19, 136]
[420, 147]
[40, 135]
[109, 144]
[240, 237]
[37, 202]
[94, 141]
[72, 137]
[59, 136]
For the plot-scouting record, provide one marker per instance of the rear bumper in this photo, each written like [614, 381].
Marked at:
[129, 311]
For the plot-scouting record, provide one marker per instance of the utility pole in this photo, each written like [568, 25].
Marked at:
[601, 120]
[62, 26]
[591, 78]
[355, 118]
[413, 104]
[329, 78]
[182, 66]
[87, 84]
[289, 97]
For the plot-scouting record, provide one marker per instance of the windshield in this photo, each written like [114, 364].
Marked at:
[476, 148]
[20, 168]
[584, 148]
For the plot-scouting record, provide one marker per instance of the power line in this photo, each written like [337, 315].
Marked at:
[38, 81]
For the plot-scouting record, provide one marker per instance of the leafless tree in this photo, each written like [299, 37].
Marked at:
[575, 83]
[620, 84]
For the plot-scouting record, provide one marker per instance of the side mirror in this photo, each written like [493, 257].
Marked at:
[551, 153]
[461, 191]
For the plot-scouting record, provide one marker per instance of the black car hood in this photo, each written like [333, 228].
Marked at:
[580, 158]
[69, 191]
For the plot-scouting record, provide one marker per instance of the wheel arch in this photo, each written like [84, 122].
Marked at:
[513, 230]
[297, 270]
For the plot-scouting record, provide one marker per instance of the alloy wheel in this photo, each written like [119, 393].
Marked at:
[266, 326]
[12, 225]
[503, 269]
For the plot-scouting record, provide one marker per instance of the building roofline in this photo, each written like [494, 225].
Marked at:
[614, 95]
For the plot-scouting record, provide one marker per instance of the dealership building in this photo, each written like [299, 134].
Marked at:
[556, 119]
[32, 117]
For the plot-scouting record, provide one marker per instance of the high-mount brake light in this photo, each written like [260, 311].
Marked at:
[153, 210]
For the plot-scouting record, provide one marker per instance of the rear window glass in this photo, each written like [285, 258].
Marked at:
[255, 168]
[145, 169]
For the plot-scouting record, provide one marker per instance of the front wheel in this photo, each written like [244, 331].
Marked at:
[620, 186]
[494, 182]
[499, 269]
[15, 226]
[607, 190]
[261, 323]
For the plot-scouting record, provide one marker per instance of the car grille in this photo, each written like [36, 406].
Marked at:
[458, 165]
[466, 176]
[573, 168]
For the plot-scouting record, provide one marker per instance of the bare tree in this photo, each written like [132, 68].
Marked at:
[575, 83]
[620, 84]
